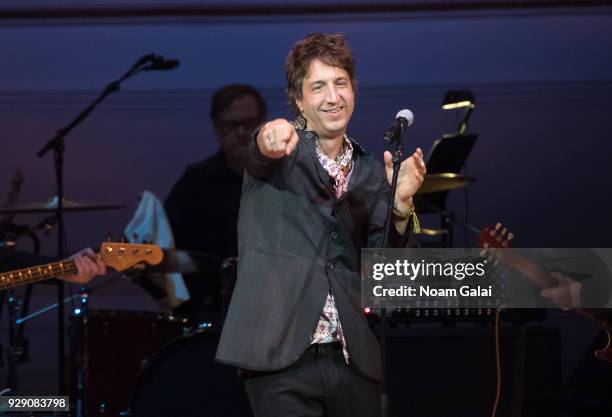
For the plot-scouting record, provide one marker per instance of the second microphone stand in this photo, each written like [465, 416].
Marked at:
[57, 144]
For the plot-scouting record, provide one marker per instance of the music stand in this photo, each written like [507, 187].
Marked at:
[448, 154]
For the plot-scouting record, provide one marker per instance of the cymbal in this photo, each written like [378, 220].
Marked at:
[446, 181]
[50, 206]
[433, 232]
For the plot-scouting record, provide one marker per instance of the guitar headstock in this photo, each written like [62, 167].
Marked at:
[496, 237]
[493, 238]
[122, 256]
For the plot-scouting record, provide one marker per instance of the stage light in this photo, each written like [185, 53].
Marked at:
[457, 99]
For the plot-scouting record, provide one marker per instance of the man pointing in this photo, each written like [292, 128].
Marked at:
[311, 199]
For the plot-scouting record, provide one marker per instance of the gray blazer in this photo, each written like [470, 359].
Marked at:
[296, 241]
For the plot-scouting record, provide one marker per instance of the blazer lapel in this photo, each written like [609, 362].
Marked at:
[361, 168]
[309, 141]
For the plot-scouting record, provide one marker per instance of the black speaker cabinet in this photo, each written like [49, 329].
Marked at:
[451, 371]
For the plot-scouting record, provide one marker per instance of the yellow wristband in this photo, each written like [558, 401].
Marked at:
[416, 226]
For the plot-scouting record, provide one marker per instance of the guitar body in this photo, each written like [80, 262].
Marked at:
[602, 318]
[499, 238]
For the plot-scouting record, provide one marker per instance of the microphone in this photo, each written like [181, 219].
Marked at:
[159, 63]
[144, 59]
[403, 120]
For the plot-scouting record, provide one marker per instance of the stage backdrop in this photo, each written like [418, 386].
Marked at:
[542, 81]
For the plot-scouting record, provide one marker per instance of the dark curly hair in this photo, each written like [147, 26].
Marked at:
[331, 49]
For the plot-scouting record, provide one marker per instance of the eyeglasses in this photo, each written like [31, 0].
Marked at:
[248, 125]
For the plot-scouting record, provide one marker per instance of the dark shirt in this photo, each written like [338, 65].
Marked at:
[203, 211]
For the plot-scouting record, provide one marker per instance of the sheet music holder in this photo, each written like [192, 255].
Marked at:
[447, 154]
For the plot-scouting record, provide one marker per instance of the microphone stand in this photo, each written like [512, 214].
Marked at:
[396, 138]
[57, 144]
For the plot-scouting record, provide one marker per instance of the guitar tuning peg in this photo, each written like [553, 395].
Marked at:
[497, 226]
[510, 236]
[504, 231]
[497, 258]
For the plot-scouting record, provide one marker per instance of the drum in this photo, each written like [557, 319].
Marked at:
[182, 379]
[117, 344]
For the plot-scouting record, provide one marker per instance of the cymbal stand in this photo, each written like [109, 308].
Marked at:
[17, 350]
[82, 349]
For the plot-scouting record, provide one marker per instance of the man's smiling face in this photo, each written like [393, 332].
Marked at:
[327, 100]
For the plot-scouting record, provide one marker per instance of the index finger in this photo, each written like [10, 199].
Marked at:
[293, 141]
[101, 265]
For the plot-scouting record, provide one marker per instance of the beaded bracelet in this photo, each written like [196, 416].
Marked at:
[416, 225]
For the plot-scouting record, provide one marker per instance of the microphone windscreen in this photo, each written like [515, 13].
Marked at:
[406, 114]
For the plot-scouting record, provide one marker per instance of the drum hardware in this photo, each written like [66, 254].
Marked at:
[82, 356]
[434, 183]
[118, 344]
[20, 351]
[50, 206]
[17, 351]
[11, 232]
[446, 160]
[447, 225]
[183, 375]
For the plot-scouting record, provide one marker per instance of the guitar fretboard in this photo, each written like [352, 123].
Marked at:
[36, 273]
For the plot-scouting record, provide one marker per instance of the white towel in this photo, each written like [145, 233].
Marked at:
[151, 223]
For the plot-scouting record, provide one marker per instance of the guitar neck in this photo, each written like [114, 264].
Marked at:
[37, 273]
[528, 269]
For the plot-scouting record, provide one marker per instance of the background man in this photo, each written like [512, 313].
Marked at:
[203, 205]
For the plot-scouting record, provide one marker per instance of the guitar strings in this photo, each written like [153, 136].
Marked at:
[35, 273]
